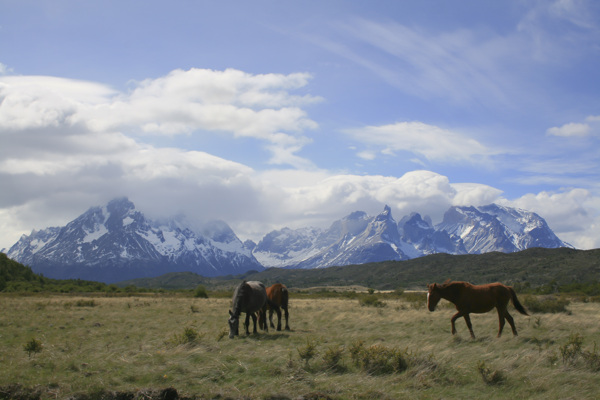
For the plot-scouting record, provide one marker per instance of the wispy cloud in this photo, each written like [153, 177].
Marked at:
[427, 141]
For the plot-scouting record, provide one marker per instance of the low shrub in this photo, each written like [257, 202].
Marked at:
[377, 359]
[190, 336]
[371, 300]
[489, 376]
[307, 352]
[332, 359]
[33, 346]
[546, 304]
[201, 292]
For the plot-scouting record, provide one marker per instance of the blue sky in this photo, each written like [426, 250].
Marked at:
[269, 114]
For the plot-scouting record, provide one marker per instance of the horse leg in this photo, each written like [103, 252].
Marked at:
[247, 323]
[501, 322]
[278, 311]
[254, 321]
[287, 316]
[468, 321]
[511, 321]
[454, 318]
[271, 317]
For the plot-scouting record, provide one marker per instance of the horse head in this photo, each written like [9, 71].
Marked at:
[234, 324]
[433, 296]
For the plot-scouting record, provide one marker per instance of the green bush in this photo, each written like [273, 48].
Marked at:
[307, 352]
[33, 346]
[546, 304]
[370, 300]
[85, 303]
[377, 359]
[571, 350]
[190, 336]
[201, 292]
[332, 359]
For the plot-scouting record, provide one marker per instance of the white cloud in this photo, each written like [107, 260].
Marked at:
[367, 155]
[573, 214]
[4, 69]
[464, 66]
[183, 102]
[428, 141]
[569, 130]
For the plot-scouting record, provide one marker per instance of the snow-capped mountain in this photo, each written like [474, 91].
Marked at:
[116, 242]
[497, 228]
[426, 239]
[359, 238]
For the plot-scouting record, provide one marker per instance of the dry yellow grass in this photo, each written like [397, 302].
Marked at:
[126, 344]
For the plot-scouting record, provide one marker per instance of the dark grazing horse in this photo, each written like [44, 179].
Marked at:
[277, 298]
[476, 299]
[250, 298]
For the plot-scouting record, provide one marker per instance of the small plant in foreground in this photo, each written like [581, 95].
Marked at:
[190, 336]
[490, 377]
[332, 358]
[307, 352]
[571, 350]
[592, 359]
[378, 360]
[33, 346]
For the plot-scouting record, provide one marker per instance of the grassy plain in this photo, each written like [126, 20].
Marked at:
[336, 349]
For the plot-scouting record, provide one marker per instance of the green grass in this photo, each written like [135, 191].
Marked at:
[337, 348]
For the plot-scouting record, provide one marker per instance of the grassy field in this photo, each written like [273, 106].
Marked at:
[132, 347]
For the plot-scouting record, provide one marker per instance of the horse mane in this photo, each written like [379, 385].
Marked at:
[239, 294]
[452, 289]
[446, 283]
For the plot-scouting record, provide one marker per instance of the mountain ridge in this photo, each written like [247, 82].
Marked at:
[359, 238]
[116, 242]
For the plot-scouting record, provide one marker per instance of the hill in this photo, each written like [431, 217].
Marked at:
[528, 268]
[16, 277]
[12, 271]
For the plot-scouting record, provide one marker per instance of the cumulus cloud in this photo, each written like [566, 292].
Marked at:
[428, 141]
[196, 101]
[573, 214]
[68, 145]
[569, 130]
[589, 127]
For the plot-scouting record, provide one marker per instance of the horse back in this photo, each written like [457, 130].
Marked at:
[256, 296]
[277, 295]
[483, 298]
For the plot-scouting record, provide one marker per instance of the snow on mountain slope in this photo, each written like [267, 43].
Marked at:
[117, 242]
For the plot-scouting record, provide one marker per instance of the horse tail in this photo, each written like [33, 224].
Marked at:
[519, 307]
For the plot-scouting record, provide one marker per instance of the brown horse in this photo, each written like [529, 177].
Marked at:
[476, 299]
[277, 298]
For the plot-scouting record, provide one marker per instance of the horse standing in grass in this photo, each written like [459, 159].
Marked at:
[250, 298]
[277, 298]
[476, 299]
